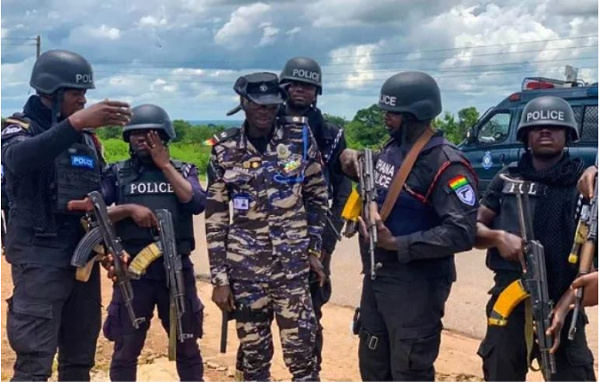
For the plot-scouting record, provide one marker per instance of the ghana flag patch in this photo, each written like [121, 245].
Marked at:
[460, 185]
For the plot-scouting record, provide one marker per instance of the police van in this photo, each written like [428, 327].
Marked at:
[492, 142]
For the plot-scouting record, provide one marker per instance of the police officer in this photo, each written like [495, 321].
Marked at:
[303, 79]
[272, 174]
[49, 158]
[547, 126]
[147, 181]
[433, 218]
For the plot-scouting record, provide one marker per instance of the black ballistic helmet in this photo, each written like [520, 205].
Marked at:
[414, 93]
[59, 69]
[548, 111]
[302, 69]
[150, 117]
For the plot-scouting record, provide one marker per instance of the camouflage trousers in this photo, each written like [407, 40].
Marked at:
[289, 301]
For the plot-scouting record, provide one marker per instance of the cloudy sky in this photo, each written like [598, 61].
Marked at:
[186, 54]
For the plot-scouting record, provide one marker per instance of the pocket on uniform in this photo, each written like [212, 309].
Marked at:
[112, 327]
[424, 352]
[579, 355]
[485, 349]
[197, 318]
[29, 325]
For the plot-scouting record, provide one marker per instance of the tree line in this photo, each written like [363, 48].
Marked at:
[366, 129]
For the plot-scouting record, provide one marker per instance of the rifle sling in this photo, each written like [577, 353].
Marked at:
[402, 174]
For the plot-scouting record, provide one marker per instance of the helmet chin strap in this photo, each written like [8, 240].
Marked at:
[57, 101]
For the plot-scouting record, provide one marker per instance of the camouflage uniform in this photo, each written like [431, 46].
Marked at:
[279, 205]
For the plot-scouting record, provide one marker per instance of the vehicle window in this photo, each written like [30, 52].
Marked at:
[577, 112]
[589, 127]
[495, 129]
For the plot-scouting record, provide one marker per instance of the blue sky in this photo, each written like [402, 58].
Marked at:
[186, 54]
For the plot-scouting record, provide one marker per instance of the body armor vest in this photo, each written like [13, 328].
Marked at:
[507, 219]
[77, 173]
[409, 215]
[151, 189]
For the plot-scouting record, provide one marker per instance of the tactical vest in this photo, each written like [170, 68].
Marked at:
[77, 173]
[151, 189]
[74, 173]
[507, 218]
[409, 215]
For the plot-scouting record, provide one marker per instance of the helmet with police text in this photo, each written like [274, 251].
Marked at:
[414, 93]
[59, 69]
[150, 117]
[548, 111]
[302, 69]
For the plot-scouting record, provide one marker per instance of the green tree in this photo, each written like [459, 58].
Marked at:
[467, 118]
[367, 128]
[110, 132]
[341, 121]
[456, 131]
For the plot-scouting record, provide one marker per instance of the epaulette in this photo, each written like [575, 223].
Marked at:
[222, 136]
[17, 119]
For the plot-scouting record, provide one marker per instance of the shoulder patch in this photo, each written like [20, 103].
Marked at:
[13, 131]
[222, 136]
[463, 189]
[16, 119]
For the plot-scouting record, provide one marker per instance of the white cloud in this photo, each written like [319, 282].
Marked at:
[360, 72]
[151, 21]
[293, 31]
[269, 34]
[105, 32]
[243, 23]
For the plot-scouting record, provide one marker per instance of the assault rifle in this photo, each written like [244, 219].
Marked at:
[533, 284]
[368, 195]
[363, 203]
[584, 248]
[114, 247]
[174, 273]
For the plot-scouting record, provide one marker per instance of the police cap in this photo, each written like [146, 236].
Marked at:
[261, 88]
[548, 111]
[56, 69]
[302, 69]
[411, 92]
[150, 117]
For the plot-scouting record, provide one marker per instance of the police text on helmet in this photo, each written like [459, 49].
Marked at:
[388, 100]
[301, 73]
[552, 115]
[83, 78]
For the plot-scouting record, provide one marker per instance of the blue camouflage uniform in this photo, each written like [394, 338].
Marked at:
[279, 199]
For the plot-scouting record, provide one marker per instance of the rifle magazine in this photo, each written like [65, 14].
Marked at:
[510, 297]
[143, 259]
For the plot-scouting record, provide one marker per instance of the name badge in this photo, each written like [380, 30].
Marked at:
[241, 202]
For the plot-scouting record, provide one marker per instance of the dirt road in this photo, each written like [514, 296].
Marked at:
[457, 361]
